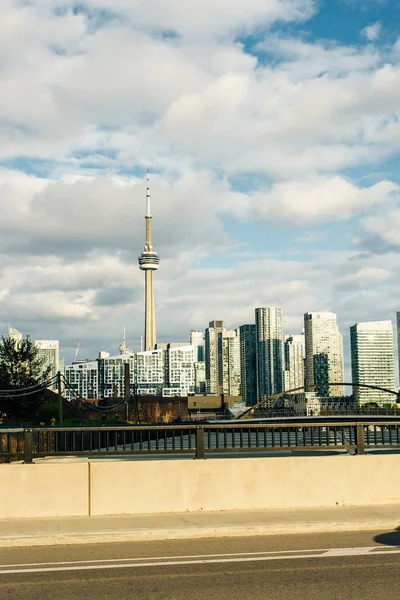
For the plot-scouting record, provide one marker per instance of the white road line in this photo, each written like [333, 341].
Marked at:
[132, 559]
[348, 551]
[202, 561]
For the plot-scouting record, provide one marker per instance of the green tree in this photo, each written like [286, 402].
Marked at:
[21, 367]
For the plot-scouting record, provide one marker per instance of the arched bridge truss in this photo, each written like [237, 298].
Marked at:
[270, 400]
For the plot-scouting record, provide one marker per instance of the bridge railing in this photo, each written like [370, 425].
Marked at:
[199, 440]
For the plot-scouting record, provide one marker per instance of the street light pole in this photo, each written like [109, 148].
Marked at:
[60, 400]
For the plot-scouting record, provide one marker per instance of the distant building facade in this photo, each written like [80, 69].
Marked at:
[248, 369]
[229, 363]
[269, 351]
[372, 361]
[150, 372]
[324, 354]
[180, 375]
[295, 353]
[197, 341]
[311, 405]
[200, 377]
[212, 334]
[112, 375]
[83, 377]
[14, 334]
[398, 337]
[49, 350]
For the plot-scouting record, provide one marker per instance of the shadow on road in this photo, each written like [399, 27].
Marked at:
[392, 538]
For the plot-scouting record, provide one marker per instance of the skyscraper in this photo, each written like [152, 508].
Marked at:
[229, 363]
[295, 353]
[372, 361]
[212, 333]
[83, 378]
[49, 350]
[197, 340]
[248, 381]
[14, 334]
[149, 262]
[180, 375]
[111, 381]
[324, 354]
[200, 377]
[398, 337]
[269, 349]
[150, 371]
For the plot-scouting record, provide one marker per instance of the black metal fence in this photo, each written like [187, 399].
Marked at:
[199, 440]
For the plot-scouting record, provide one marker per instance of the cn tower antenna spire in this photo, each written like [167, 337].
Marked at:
[148, 262]
[148, 210]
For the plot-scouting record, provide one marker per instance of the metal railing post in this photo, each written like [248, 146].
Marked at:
[28, 446]
[200, 442]
[360, 442]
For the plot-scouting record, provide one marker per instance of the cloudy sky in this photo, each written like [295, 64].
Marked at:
[272, 132]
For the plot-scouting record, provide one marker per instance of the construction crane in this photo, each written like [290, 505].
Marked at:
[77, 352]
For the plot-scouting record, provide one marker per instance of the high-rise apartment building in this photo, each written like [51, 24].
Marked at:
[101, 378]
[229, 363]
[212, 333]
[398, 337]
[150, 371]
[324, 354]
[295, 353]
[269, 349]
[14, 334]
[372, 361]
[112, 371]
[200, 377]
[180, 379]
[197, 340]
[49, 350]
[248, 378]
[83, 377]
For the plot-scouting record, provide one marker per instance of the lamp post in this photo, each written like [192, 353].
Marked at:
[60, 400]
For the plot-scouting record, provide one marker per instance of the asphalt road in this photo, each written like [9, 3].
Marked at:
[347, 566]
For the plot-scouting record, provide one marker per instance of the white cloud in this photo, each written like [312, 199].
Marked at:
[126, 90]
[381, 232]
[167, 84]
[317, 200]
[366, 276]
[197, 18]
[372, 32]
[305, 60]
[71, 217]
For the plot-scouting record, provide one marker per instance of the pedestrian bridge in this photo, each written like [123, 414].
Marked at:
[123, 470]
[200, 440]
[62, 487]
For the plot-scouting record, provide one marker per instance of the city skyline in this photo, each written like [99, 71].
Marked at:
[192, 339]
[256, 361]
[271, 133]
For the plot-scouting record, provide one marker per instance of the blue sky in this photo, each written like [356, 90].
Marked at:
[272, 131]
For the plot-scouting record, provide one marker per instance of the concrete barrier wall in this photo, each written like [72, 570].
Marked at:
[44, 490]
[112, 487]
[137, 487]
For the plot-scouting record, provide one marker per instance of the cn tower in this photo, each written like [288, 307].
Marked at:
[148, 262]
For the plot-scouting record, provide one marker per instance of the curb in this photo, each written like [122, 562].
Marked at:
[143, 535]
